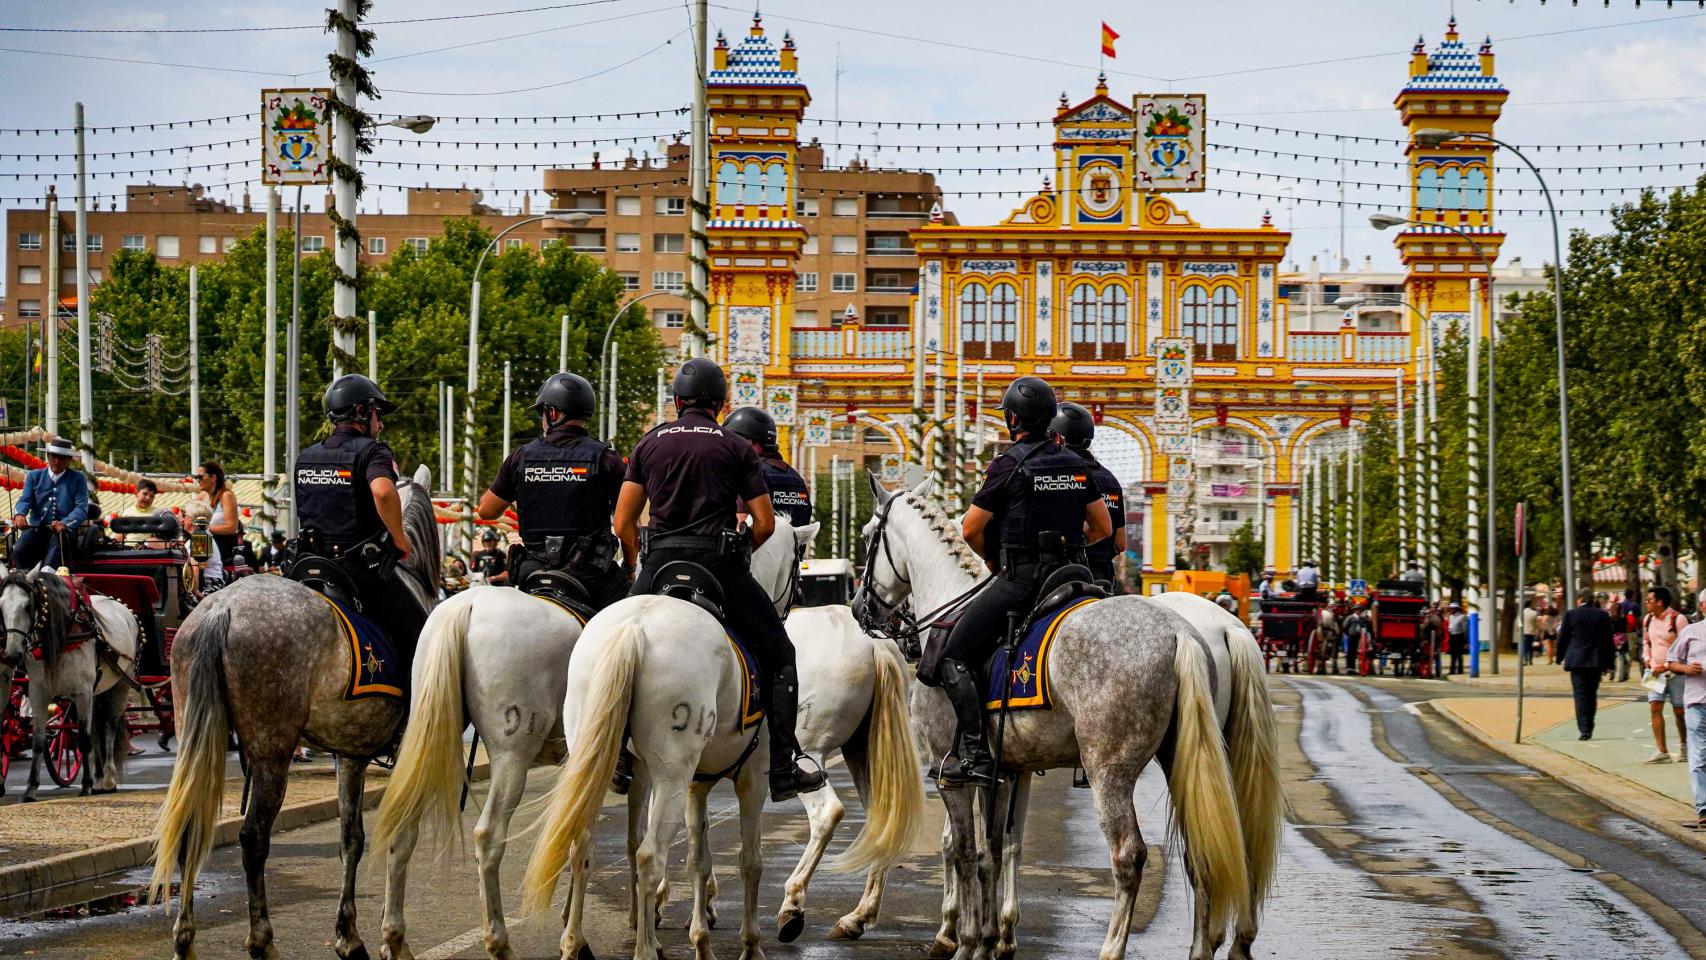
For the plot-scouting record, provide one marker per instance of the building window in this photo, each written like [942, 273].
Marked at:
[887, 243]
[591, 241]
[94, 275]
[630, 280]
[805, 208]
[669, 243]
[805, 318]
[134, 241]
[29, 309]
[672, 319]
[674, 281]
[1223, 324]
[227, 244]
[376, 246]
[1097, 322]
[32, 275]
[68, 242]
[627, 243]
[418, 245]
[989, 320]
[670, 206]
[806, 282]
[211, 244]
[845, 206]
[591, 203]
[94, 242]
[546, 243]
[809, 248]
[166, 248]
[310, 244]
[68, 277]
[627, 206]
[974, 315]
[29, 241]
[844, 282]
[510, 243]
[1193, 317]
[846, 243]
[888, 317]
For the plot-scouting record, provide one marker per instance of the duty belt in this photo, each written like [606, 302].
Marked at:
[725, 544]
[1030, 563]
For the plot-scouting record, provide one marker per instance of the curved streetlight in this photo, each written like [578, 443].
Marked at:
[603, 351]
[419, 123]
[571, 217]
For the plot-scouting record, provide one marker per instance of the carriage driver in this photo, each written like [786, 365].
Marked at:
[692, 471]
[564, 485]
[1076, 427]
[1034, 514]
[789, 494]
[346, 498]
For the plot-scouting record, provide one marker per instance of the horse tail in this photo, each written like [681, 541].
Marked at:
[189, 815]
[1253, 750]
[571, 808]
[1203, 808]
[895, 808]
[429, 774]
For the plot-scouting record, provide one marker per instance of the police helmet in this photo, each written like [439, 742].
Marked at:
[1029, 404]
[490, 536]
[568, 393]
[700, 383]
[1074, 426]
[351, 392]
[753, 424]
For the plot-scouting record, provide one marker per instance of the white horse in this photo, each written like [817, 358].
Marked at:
[36, 608]
[1127, 678]
[499, 659]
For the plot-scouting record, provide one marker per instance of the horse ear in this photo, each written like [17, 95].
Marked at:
[923, 488]
[423, 477]
[807, 533]
[878, 494]
[36, 573]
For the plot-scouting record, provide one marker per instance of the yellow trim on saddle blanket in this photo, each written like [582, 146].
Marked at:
[571, 611]
[750, 713]
[1042, 698]
[355, 687]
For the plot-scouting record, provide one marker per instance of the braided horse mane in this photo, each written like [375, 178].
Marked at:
[947, 529]
[50, 601]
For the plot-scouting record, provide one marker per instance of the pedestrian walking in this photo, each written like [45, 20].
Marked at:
[1628, 618]
[1586, 649]
[1549, 632]
[1457, 632]
[1530, 630]
[1687, 658]
[1660, 630]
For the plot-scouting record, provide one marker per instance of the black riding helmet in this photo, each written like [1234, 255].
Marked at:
[753, 424]
[569, 394]
[1029, 404]
[349, 393]
[700, 383]
[1074, 426]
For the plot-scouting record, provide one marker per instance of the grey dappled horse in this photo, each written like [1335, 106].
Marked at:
[267, 657]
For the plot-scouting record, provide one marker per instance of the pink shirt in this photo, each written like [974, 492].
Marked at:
[1661, 633]
[1690, 647]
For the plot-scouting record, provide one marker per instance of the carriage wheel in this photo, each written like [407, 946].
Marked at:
[1312, 660]
[1425, 660]
[1365, 656]
[64, 760]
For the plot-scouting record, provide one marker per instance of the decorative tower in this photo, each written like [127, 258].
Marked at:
[756, 100]
[1451, 183]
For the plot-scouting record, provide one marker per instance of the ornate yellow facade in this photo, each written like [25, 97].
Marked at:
[1077, 285]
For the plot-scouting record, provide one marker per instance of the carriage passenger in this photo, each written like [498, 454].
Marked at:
[54, 504]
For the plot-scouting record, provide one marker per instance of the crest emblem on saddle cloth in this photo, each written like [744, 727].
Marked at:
[370, 660]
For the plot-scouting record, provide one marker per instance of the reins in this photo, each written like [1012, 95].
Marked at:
[913, 626]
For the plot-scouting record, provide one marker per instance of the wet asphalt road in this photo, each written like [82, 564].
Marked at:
[1406, 840]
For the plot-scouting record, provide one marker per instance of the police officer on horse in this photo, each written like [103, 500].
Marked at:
[789, 494]
[350, 512]
[1035, 512]
[692, 471]
[564, 485]
[1076, 427]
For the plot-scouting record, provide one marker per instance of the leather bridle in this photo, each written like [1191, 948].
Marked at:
[876, 615]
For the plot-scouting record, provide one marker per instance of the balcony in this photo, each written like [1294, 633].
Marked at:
[852, 343]
[1383, 347]
[1215, 531]
[1228, 489]
[1351, 346]
[897, 214]
[890, 252]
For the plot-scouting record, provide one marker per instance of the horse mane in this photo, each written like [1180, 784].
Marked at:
[58, 613]
[935, 516]
[421, 525]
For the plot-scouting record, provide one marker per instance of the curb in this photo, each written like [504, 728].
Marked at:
[1542, 761]
[27, 887]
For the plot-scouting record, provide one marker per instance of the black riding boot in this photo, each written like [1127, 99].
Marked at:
[974, 764]
[787, 778]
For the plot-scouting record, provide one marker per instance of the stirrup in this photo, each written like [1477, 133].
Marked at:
[622, 778]
[1080, 778]
[953, 773]
[796, 781]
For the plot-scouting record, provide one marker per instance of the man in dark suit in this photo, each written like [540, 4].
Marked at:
[1585, 648]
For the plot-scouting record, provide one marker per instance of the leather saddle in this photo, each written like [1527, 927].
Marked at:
[686, 580]
[1074, 581]
[559, 586]
[327, 576]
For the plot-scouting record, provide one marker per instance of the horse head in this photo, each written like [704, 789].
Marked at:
[910, 539]
[26, 608]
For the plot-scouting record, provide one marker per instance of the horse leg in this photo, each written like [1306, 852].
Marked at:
[991, 858]
[962, 857]
[392, 924]
[352, 774]
[699, 868]
[183, 927]
[663, 822]
[750, 790]
[1111, 788]
[573, 945]
[824, 811]
[84, 702]
[491, 833]
[266, 782]
[1007, 942]
[947, 934]
[38, 733]
[852, 926]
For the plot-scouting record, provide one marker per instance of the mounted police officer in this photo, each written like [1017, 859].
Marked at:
[789, 495]
[349, 509]
[1034, 514]
[564, 485]
[691, 471]
[1076, 428]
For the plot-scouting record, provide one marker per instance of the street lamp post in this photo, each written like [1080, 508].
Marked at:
[561, 216]
[604, 351]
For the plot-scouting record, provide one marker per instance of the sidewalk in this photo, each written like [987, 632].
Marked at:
[1608, 768]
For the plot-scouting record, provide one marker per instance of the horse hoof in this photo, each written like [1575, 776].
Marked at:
[359, 953]
[791, 928]
[584, 953]
[30, 798]
[846, 930]
[943, 949]
[711, 914]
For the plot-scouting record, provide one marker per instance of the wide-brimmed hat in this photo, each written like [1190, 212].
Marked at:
[61, 447]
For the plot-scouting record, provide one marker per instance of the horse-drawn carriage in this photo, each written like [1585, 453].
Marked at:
[1405, 631]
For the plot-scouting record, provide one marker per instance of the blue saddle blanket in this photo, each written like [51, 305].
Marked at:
[751, 710]
[1028, 670]
[375, 668]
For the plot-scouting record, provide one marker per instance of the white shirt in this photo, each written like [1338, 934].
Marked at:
[1308, 577]
[1531, 621]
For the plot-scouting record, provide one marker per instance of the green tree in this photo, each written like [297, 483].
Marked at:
[1245, 551]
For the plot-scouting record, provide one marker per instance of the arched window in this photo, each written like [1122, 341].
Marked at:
[1223, 325]
[1115, 302]
[752, 189]
[1083, 327]
[776, 185]
[974, 316]
[1003, 330]
[1193, 317]
[1427, 188]
[728, 182]
[1451, 189]
[1475, 188]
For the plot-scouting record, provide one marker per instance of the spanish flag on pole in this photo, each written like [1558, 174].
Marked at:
[1108, 38]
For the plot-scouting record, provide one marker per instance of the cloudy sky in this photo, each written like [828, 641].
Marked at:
[1583, 75]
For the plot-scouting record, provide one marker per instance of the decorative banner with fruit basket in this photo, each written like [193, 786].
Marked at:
[749, 387]
[1168, 154]
[296, 137]
[782, 401]
[817, 428]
